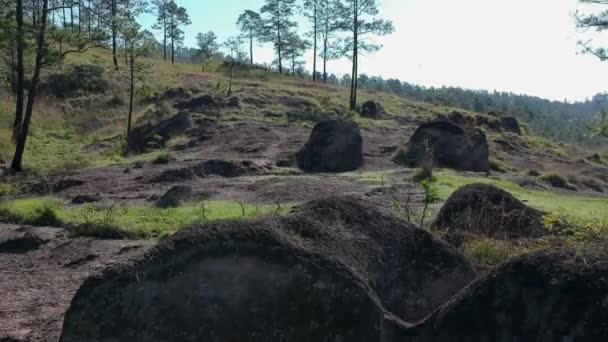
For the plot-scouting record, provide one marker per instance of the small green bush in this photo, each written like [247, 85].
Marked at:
[116, 101]
[490, 252]
[7, 190]
[43, 215]
[401, 157]
[534, 173]
[102, 230]
[424, 173]
[498, 166]
[163, 159]
[558, 181]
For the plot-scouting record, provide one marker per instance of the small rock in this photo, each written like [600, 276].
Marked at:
[174, 197]
[83, 199]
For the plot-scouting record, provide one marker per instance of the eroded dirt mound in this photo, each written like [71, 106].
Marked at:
[216, 167]
[490, 211]
[19, 242]
[333, 146]
[47, 186]
[155, 135]
[207, 103]
[557, 295]
[448, 145]
[322, 272]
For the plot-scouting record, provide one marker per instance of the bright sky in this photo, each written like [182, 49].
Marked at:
[523, 46]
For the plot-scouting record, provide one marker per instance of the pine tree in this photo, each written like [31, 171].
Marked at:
[249, 23]
[177, 17]
[162, 21]
[295, 47]
[359, 19]
[312, 11]
[278, 22]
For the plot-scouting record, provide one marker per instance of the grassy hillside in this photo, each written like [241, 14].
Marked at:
[83, 128]
[64, 127]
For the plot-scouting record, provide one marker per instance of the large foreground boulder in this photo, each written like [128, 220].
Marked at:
[330, 270]
[333, 146]
[448, 145]
[155, 135]
[483, 209]
[559, 295]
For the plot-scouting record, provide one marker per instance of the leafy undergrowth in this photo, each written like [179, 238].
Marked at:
[132, 222]
[491, 252]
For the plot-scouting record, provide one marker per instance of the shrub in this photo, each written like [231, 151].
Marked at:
[80, 80]
[424, 173]
[163, 159]
[590, 230]
[116, 101]
[533, 173]
[558, 181]
[498, 166]
[101, 230]
[572, 179]
[99, 223]
[7, 216]
[592, 184]
[43, 215]
[490, 252]
[7, 190]
[157, 112]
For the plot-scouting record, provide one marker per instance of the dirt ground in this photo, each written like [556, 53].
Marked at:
[38, 283]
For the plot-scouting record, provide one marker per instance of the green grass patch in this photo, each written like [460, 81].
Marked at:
[7, 189]
[490, 252]
[380, 178]
[114, 221]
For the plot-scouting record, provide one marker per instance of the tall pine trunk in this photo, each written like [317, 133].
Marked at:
[34, 6]
[314, 59]
[89, 19]
[131, 94]
[251, 46]
[114, 33]
[16, 165]
[325, 60]
[279, 43]
[165, 38]
[20, 98]
[353, 87]
[172, 45]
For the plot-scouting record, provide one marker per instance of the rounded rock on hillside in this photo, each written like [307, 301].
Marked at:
[448, 145]
[372, 110]
[486, 210]
[334, 146]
